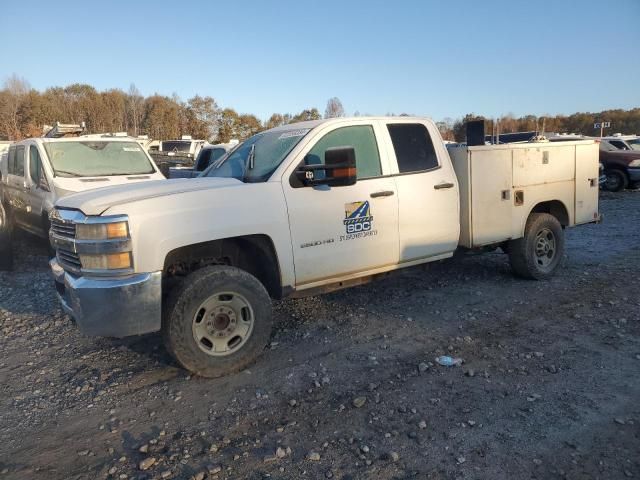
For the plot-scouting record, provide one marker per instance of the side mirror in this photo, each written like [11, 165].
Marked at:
[338, 169]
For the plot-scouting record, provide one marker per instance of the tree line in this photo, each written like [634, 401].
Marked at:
[582, 123]
[24, 111]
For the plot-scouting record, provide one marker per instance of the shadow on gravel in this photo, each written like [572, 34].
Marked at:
[149, 345]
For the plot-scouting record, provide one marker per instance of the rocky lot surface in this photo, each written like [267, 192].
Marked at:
[348, 388]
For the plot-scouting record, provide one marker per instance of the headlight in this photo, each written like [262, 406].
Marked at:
[102, 231]
[108, 261]
[635, 163]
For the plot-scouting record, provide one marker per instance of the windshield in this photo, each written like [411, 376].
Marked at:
[97, 158]
[257, 158]
[634, 144]
[176, 146]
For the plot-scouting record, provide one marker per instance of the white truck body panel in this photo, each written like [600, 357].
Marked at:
[415, 216]
[490, 176]
[31, 203]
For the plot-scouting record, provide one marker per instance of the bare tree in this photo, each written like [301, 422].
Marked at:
[334, 108]
[135, 107]
[14, 91]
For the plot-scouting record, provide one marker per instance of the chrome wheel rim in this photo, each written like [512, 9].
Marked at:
[223, 323]
[545, 248]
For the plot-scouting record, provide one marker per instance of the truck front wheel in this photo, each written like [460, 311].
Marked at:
[537, 255]
[218, 321]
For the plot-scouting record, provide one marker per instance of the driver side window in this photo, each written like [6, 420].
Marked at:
[361, 138]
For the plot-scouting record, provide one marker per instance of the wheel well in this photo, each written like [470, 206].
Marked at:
[617, 168]
[253, 253]
[555, 208]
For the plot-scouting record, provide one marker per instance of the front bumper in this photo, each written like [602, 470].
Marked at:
[111, 307]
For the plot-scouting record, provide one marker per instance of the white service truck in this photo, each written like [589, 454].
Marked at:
[304, 209]
[36, 172]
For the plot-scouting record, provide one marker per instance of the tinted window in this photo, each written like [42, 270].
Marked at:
[11, 161]
[618, 144]
[361, 138]
[204, 159]
[176, 146]
[18, 162]
[208, 156]
[34, 164]
[413, 147]
[216, 154]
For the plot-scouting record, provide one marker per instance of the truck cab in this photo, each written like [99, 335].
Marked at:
[304, 209]
[37, 172]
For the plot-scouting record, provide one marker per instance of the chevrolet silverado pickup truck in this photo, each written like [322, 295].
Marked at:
[300, 210]
[35, 173]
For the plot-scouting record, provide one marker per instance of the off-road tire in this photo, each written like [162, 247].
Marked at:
[6, 239]
[616, 180]
[522, 252]
[180, 309]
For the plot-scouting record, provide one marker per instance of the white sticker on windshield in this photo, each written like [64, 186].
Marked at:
[131, 149]
[294, 133]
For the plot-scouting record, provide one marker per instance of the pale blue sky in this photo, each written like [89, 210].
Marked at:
[434, 58]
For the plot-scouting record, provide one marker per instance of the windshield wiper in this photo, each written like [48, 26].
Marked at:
[251, 157]
[249, 163]
[71, 174]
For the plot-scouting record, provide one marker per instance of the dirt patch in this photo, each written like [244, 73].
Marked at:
[348, 387]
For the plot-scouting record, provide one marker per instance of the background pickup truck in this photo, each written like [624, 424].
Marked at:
[304, 209]
[35, 173]
[207, 156]
[174, 153]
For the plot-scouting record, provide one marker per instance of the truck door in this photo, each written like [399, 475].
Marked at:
[429, 222]
[37, 189]
[337, 231]
[16, 184]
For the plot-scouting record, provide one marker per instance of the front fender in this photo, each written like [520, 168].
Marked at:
[162, 224]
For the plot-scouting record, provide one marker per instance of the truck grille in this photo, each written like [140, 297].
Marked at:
[69, 260]
[63, 229]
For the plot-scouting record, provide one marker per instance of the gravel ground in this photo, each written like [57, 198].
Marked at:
[348, 388]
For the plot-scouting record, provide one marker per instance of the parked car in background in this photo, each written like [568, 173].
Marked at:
[208, 155]
[173, 153]
[621, 168]
[621, 142]
[35, 173]
[619, 160]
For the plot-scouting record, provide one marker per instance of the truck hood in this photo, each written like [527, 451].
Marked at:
[66, 186]
[95, 202]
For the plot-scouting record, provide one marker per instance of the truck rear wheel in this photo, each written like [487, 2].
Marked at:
[537, 255]
[6, 237]
[616, 180]
[218, 321]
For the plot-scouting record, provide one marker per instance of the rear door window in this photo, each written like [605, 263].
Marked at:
[413, 146]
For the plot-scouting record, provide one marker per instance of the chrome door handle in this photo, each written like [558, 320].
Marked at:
[384, 193]
[440, 186]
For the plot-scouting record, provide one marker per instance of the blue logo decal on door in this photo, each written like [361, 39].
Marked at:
[358, 217]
